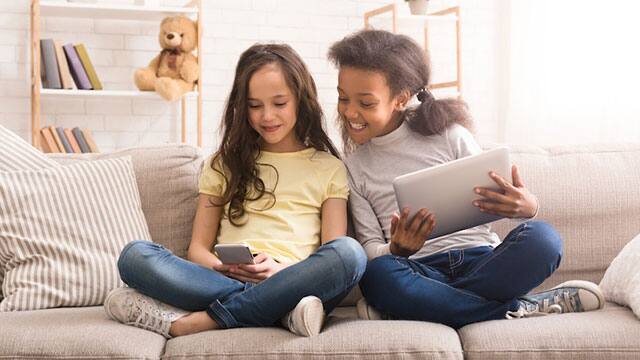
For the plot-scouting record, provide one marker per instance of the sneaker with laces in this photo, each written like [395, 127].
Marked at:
[306, 318]
[130, 307]
[368, 312]
[570, 296]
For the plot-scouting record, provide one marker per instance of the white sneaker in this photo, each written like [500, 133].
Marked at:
[570, 296]
[306, 318]
[130, 307]
[368, 312]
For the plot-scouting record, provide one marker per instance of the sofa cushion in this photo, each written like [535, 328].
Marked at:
[167, 177]
[621, 281]
[62, 230]
[74, 333]
[17, 154]
[590, 194]
[343, 337]
[611, 333]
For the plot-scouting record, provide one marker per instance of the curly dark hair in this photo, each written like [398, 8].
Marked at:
[405, 66]
[238, 153]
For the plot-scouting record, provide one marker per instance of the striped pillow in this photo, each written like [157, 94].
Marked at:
[63, 228]
[17, 154]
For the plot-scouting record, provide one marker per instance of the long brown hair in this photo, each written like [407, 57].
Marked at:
[405, 66]
[240, 148]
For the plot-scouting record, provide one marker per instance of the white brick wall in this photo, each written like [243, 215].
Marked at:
[118, 47]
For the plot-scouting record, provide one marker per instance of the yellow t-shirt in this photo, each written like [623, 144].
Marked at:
[289, 231]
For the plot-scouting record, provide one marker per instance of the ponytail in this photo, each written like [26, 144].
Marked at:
[433, 115]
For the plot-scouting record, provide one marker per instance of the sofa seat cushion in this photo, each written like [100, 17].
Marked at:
[611, 333]
[343, 337]
[78, 333]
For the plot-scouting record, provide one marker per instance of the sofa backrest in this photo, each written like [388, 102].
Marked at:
[590, 194]
[167, 178]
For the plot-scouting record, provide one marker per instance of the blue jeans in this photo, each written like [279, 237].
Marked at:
[329, 273]
[460, 287]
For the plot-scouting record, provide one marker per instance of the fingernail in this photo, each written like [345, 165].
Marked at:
[475, 203]
[477, 190]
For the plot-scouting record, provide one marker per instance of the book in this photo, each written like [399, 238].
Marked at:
[63, 139]
[72, 141]
[77, 133]
[51, 74]
[63, 66]
[48, 144]
[88, 137]
[88, 67]
[56, 138]
[75, 68]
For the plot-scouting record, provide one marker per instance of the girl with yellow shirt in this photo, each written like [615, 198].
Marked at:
[276, 184]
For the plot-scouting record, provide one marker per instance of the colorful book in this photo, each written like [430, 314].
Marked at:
[75, 68]
[63, 67]
[63, 138]
[88, 137]
[72, 141]
[48, 144]
[56, 138]
[88, 67]
[51, 74]
[77, 133]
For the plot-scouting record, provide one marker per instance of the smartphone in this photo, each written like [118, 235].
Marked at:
[234, 253]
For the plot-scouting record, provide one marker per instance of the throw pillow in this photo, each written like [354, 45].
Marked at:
[17, 154]
[62, 230]
[621, 281]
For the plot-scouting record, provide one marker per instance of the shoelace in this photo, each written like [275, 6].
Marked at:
[151, 318]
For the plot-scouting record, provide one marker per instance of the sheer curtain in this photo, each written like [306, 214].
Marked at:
[574, 72]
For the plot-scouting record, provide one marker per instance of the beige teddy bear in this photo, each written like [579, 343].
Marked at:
[174, 71]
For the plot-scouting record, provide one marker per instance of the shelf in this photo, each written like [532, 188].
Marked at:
[107, 93]
[106, 11]
[417, 17]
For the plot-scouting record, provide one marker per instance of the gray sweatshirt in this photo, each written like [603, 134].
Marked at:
[372, 168]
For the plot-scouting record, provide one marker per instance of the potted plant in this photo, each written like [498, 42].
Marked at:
[418, 7]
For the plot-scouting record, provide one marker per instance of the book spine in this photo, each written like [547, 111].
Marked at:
[80, 139]
[88, 67]
[63, 139]
[48, 145]
[56, 138]
[65, 76]
[72, 141]
[52, 75]
[88, 137]
[76, 69]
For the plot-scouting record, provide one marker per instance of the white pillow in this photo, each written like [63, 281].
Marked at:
[62, 230]
[621, 281]
[17, 154]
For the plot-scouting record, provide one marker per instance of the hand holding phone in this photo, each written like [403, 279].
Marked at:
[234, 253]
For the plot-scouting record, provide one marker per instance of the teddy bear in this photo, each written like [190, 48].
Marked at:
[174, 71]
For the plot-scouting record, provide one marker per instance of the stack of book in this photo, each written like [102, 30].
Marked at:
[62, 67]
[74, 140]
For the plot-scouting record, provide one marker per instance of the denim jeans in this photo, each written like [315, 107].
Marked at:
[460, 287]
[329, 273]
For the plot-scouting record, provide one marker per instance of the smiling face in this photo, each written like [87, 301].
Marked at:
[366, 105]
[272, 110]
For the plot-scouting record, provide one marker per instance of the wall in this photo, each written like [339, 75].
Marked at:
[117, 48]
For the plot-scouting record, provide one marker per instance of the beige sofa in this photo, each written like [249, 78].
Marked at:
[591, 194]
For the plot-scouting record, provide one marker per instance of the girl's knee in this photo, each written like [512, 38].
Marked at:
[378, 274]
[546, 236]
[132, 255]
[351, 253]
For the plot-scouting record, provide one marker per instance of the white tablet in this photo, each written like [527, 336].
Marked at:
[446, 190]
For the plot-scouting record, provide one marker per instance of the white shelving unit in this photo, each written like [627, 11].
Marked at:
[389, 15]
[40, 9]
